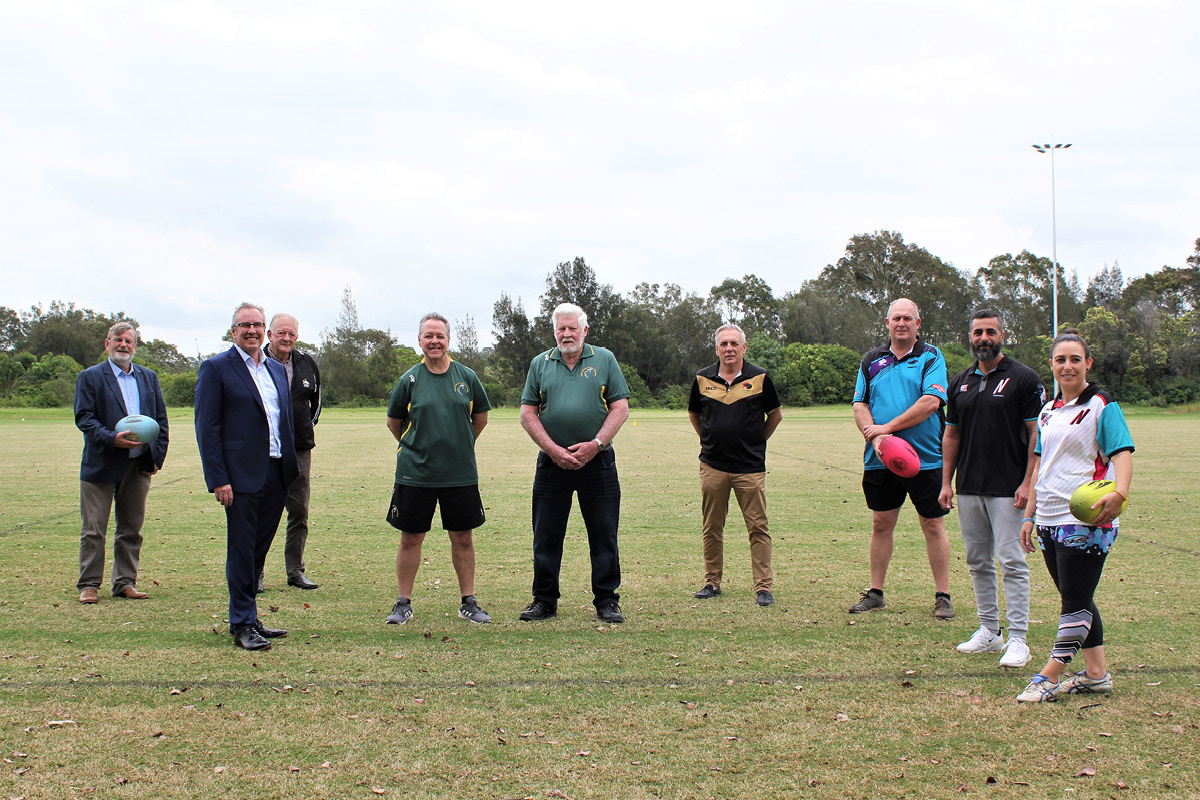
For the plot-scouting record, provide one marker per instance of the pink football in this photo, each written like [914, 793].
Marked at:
[900, 457]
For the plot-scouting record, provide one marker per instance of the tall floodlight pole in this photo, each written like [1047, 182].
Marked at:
[1050, 148]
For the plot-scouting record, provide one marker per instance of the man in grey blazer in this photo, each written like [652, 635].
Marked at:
[116, 468]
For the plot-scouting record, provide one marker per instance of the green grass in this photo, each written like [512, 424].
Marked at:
[687, 700]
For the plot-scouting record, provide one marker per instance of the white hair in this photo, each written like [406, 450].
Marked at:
[728, 326]
[568, 310]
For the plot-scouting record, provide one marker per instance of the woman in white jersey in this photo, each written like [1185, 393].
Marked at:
[1082, 436]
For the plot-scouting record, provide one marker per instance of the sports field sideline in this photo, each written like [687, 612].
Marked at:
[687, 699]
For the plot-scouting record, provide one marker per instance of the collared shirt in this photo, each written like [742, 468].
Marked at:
[573, 402]
[1076, 442]
[990, 411]
[890, 385]
[733, 417]
[127, 383]
[270, 398]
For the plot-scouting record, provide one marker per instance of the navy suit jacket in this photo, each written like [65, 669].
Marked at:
[231, 424]
[99, 405]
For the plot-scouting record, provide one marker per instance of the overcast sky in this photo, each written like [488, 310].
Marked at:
[171, 159]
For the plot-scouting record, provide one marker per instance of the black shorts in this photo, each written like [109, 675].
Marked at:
[885, 491]
[412, 508]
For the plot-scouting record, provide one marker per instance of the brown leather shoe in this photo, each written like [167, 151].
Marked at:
[89, 596]
[131, 593]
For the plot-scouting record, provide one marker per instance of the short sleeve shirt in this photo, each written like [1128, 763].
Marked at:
[733, 420]
[890, 385]
[437, 447]
[573, 403]
[990, 413]
[1076, 442]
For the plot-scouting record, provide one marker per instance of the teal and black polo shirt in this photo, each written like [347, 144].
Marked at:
[733, 417]
[890, 385]
[573, 403]
[437, 447]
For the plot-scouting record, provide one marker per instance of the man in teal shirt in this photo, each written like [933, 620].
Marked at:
[575, 401]
[437, 411]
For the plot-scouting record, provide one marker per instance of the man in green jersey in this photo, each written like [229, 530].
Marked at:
[437, 411]
[575, 401]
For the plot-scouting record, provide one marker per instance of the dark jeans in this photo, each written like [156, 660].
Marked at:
[1076, 574]
[599, 502]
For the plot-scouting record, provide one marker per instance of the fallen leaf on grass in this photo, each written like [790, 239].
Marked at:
[382, 791]
[293, 768]
[1156, 683]
[218, 770]
[584, 753]
[1122, 785]
[174, 691]
[991, 781]
[841, 717]
[326, 765]
[274, 609]
[59, 723]
[1086, 772]
[813, 782]
[119, 781]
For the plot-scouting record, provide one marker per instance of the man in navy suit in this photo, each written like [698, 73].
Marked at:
[116, 467]
[244, 431]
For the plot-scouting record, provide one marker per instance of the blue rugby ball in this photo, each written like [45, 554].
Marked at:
[144, 429]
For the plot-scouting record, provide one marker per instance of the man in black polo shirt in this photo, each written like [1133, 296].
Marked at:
[991, 417]
[734, 408]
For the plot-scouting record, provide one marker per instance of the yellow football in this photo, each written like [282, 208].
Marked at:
[1087, 496]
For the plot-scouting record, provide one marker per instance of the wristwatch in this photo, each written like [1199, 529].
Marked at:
[600, 444]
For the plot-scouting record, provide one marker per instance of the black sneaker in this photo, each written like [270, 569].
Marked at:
[610, 613]
[401, 612]
[538, 610]
[708, 591]
[765, 598]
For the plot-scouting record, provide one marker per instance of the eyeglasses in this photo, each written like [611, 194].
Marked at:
[248, 325]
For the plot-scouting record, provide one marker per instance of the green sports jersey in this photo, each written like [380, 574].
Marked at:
[437, 447]
[573, 403]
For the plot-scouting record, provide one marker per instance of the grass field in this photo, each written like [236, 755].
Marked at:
[718, 699]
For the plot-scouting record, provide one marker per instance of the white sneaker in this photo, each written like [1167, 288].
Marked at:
[982, 641]
[1016, 653]
[1039, 690]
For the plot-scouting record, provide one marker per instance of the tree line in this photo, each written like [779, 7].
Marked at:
[1144, 333]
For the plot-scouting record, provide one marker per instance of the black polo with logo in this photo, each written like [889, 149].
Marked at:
[733, 417]
[990, 412]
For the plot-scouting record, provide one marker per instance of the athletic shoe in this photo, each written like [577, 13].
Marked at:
[610, 613]
[538, 610]
[869, 602]
[942, 608]
[1080, 683]
[401, 612]
[984, 641]
[1016, 653]
[708, 591]
[470, 610]
[765, 598]
[1039, 690]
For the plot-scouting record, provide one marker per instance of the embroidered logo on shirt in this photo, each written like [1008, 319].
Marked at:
[999, 390]
[589, 372]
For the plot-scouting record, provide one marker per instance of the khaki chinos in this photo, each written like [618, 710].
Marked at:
[750, 490]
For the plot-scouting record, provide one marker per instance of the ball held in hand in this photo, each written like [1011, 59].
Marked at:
[899, 456]
[1087, 496]
[144, 429]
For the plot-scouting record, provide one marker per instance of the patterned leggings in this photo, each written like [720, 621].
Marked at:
[1076, 573]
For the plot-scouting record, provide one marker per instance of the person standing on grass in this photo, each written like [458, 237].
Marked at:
[437, 411]
[575, 400]
[900, 390]
[244, 434]
[116, 467]
[734, 409]
[991, 417]
[1082, 436]
[305, 381]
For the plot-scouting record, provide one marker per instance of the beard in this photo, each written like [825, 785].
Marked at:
[986, 351]
[122, 360]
